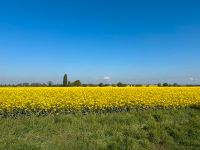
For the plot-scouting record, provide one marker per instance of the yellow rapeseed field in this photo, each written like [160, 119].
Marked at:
[96, 98]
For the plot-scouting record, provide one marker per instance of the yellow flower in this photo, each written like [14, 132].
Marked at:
[92, 98]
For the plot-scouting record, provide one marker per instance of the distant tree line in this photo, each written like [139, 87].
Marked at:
[167, 84]
[77, 83]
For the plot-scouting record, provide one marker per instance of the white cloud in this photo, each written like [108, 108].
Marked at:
[107, 78]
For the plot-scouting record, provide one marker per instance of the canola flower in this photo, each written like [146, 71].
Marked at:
[95, 98]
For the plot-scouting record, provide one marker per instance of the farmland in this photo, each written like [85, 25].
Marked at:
[100, 118]
[94, 99]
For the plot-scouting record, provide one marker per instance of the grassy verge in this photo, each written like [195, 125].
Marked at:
[139, 129]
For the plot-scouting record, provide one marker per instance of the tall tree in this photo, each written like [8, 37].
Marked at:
[65, 81]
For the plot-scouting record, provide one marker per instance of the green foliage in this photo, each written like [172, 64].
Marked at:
[65, 80]
[100, 84]
[119, 84]
[159, 84]
[175, 84]
[165, 84]
[137, 129]
[76, 83]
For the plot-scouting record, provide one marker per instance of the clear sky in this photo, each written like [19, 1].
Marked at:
[136, 41]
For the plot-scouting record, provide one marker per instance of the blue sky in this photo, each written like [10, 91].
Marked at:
[99, 40]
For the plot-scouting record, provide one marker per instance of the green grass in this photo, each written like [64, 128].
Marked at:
[137, 129]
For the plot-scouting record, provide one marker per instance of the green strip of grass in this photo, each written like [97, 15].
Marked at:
[139, 129]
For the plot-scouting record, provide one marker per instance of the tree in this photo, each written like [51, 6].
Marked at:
[77, 83]
[165, 84]
[175, 84]
[119, 84]
[159, 84]
[25, 84]
[65, 81]
[100, 84]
